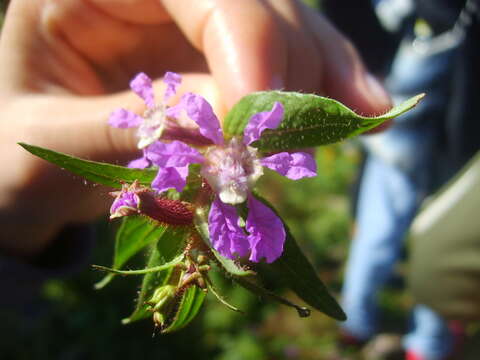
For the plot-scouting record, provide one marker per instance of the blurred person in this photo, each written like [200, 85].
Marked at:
[444, 274]
[65, 64]
[437, 53]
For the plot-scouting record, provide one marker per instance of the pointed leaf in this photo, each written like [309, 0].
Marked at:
[135, 233]
[220, 297]
[98, 172]
[170, 245]
[294, 269]
[309, 120]
[188, 307]
[254, 287]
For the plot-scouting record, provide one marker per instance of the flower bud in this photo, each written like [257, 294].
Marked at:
[162, 296]
[135, 199]
[173, 212]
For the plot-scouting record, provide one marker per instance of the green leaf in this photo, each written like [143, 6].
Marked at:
[170, 245]
[220, 297]
[309, 120]
[135, 233]
[296, 272]
[189, 305]
[98, 172]
[253, 286]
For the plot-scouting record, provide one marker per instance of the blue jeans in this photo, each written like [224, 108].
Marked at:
[388, 200]
[398, 174]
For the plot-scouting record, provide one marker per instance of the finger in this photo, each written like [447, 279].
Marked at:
[241, 41]
[304, 62]
[345, 77]
[77, 47]
[134, 11]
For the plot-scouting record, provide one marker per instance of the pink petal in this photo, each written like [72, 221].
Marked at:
[126, 203]
[200, 111]
[292, 165]
[174, 111]
[227, 237]
[172, 80]
[266, 232]
[122, 118]
[142, 86]
[174, 154]
[140, 163]
[170, 178]
[261, 121]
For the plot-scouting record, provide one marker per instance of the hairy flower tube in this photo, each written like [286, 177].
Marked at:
[135, 199]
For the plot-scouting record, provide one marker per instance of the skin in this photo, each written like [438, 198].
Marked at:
[66, 64]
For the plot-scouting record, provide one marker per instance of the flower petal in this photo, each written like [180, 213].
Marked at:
[261, 121]
[200, 111]
[140, 163]
[172, 80]
[126, 203]
[174, 154]
[170, 178]
[227, 237]
[142, 86]
[292, 165]
[266, 232]
[122, 118]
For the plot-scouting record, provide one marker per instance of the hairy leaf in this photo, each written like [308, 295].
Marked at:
[296, 272]
[135, 233]
[309, 120]
[188, 307]
[98, 172]
[171, 244]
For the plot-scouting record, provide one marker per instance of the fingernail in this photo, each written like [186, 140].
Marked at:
[377, 93]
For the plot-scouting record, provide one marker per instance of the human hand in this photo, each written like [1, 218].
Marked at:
[65, 64]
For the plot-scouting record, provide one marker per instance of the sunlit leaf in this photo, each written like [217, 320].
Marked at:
[97, 172]
[309, 120]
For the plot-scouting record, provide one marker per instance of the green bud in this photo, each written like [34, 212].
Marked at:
[161, 296]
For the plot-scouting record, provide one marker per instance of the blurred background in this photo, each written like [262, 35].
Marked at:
[74, 321]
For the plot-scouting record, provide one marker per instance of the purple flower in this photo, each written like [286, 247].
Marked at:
[152, 123]
[232, 168]
[127, 201]
[150, 128]
[135, 199]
